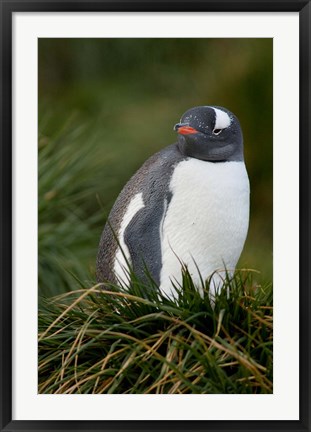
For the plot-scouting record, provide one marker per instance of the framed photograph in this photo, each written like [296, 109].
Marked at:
[155, 215]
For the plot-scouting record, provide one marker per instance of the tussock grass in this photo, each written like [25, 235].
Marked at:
[68, 213]
[136, 340]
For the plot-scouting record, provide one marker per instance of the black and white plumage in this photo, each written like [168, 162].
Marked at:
[189, 202]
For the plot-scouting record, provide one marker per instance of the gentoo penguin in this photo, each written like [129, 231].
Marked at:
[188, 203]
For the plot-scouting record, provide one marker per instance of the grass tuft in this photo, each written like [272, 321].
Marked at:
[136, 340]
[70, 162]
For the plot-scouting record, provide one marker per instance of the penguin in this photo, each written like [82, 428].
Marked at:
[188, 205]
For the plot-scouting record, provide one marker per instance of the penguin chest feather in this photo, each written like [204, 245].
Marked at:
[206, 221]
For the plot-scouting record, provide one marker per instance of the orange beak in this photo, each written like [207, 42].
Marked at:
[186, 130]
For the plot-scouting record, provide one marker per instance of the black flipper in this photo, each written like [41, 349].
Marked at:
[142, 235]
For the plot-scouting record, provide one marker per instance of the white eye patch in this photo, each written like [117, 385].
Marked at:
[222, 119]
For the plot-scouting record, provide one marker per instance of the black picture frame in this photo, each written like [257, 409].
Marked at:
[7, 9]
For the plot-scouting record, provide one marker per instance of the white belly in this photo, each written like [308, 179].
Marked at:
[206, 221]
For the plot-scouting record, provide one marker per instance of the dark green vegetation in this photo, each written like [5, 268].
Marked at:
[92, 341]
[104, 107]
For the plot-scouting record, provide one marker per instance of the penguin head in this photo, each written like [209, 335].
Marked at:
[210, 133]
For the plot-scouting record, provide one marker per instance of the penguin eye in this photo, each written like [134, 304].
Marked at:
[217, 131]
